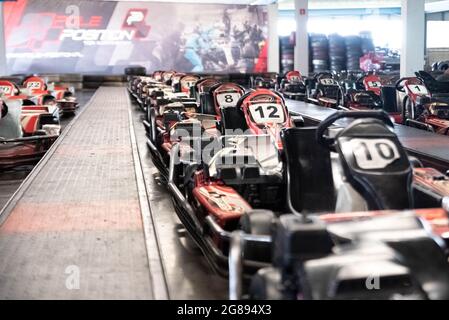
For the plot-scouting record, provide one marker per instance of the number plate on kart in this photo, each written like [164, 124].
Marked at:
[374, 153]
[262, 113]
[34, 85]
[226, 100]
[5, 89]
[418, 89]
[328, 82]
[374, 84]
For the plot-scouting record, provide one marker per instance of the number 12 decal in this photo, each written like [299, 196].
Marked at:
[267, 112]
[374, 153]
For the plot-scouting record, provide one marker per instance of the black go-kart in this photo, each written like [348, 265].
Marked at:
[371, 248]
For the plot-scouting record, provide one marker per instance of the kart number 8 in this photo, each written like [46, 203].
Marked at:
[228, 99]
[374, 153]
[267, 113]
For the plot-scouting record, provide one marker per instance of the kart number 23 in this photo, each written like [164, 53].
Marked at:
[374, 153]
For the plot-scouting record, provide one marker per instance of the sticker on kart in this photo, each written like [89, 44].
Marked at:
[5, 89]
[263, 113]
[34, 85]
[372, 154]
[295, 79]
[229, 99]
[328, 82]
[374, 84]
[418, 89]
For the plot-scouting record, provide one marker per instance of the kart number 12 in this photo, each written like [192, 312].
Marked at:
[374, 153]
[267, 113]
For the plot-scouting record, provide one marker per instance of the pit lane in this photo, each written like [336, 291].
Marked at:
[11, 180]
[80, 208]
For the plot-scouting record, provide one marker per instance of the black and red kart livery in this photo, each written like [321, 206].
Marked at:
[233, 191]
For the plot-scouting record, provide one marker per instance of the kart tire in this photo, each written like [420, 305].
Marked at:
[257, 222]
[443, 65]
[265, 285]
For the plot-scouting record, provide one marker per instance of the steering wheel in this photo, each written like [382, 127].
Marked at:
[327, 141]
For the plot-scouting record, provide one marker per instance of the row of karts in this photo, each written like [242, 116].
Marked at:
[289, 211]
[29, 121]
[421, 101]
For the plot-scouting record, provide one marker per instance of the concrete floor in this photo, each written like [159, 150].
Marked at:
[189, 275]
[11, 180]
[80, 210]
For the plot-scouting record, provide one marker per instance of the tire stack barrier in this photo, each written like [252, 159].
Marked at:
[287, 50]
[353, 52]
[367, 45]
[320, 52]
[337, 53]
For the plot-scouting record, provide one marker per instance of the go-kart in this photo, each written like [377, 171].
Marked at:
[217, 180]
[50, 93]
[293, 86]
[322, 255]
[388, 255]
[324, 90]
[263, 82]
[367, 93]
[165, 116]
[26, 133]
[422, 107]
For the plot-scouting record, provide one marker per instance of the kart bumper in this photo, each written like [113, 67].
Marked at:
[24, 151]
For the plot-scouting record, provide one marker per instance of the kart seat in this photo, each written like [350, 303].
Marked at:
[389, 100]
[310, 183]
[233, 119]
[207, 104]
[375, 165]
[10, 125]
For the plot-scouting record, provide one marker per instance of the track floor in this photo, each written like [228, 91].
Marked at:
[82, 227]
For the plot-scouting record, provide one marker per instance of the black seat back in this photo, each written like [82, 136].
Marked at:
[310, 182]
[375, 164]
[389, 101]
[233, 119]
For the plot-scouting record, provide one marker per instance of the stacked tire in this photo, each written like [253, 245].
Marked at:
[287, 50]
[353, 52]
[320, 52]
[367, 45]
[337, 53]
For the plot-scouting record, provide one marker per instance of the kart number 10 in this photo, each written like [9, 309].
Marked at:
[374, 153]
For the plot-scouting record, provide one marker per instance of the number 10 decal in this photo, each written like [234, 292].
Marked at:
[374, 153]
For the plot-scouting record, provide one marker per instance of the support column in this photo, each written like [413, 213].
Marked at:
[302, 37]
[2, 43]
[413, 37]
[273, 38]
